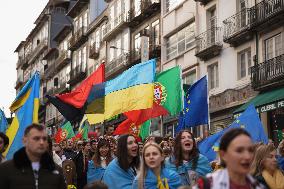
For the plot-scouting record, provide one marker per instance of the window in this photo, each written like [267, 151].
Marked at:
[137, 41]
[244, 63]
[137, 7]
[118, 49]
[156, 32]
[211, 18]
[97, 40]
[213, 77]
[180, 42]
[189, 78]
[273, 47]
[171, 4]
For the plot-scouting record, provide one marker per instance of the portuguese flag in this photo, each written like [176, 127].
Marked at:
[167, 97]
[64, 132]
[167, 101]
[83, 130]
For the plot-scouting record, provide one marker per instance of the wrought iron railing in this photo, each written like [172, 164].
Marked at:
[253, 16]
[266, 9]
[35, 52]
[237, 23]
[94, 50]
[61, 87]
[208, 39]
[77, 36]
[113, 24]
[63, 56]
[115, 64]
[144, 7]
[267, 72]
[135, 55]
[76, 72]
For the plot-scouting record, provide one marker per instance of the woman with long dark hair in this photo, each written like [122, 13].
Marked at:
[153, 173]
[100, 161]
[187, 160]
[236, 153]
[121, 171]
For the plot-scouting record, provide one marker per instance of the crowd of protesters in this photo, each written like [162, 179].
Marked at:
[119, 162]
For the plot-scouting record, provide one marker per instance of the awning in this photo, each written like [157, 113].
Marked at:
[266, 101]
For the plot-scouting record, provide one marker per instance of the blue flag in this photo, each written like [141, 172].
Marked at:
[195, 110]
[248, 120]
[3, 122]
[26, 107]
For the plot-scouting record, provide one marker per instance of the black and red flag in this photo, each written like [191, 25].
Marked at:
[72, 105]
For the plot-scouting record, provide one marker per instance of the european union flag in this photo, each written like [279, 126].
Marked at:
[248, 120]
[26, 107]
[195, 110]
[3, 122]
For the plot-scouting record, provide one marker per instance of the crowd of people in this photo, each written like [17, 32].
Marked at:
[120, 162]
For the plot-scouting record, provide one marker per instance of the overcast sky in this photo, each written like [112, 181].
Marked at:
[17, 20]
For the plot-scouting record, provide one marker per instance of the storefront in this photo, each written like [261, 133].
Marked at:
[270, 106]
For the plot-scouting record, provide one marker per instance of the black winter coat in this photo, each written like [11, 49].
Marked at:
[18, 174]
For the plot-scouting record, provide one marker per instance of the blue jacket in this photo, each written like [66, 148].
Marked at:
[94, 173]
[116, 178]
[150, 181]
[203, 167]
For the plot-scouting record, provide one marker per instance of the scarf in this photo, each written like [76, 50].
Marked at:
[160, 184]
[275, 181]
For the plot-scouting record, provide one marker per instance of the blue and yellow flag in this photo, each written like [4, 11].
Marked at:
[248, 120]
[25, 107]
[132, 90]
[3, 122]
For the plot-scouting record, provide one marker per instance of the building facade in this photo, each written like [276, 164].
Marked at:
[238, 44]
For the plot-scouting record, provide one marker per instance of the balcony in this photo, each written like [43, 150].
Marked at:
[203, 2]
[115, 26]
[135, 56]
[268, 74]
[94, 51]
[61, 88]
[63, 59]
[78, 39]
[77, 74]
[237, 28]
[50, 91]
[155, 51]
[50, 71]
[117, 64]
[209, 44]
[20, 61]
[19, 82]
[265, 15]
[140, 14]
[42, 45]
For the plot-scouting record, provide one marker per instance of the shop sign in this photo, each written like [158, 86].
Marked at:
[271, 106]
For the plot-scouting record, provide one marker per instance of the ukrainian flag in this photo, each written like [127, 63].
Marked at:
[26, 107]
[132, 90]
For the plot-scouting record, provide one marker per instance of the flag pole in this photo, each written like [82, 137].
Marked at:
[161, 117]
[209, 126]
